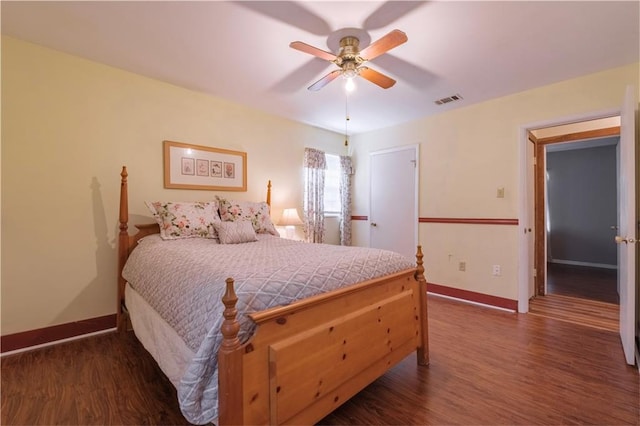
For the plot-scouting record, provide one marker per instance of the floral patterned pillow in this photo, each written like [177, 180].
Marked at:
[237, 232]
[256, 213]
[185, 219]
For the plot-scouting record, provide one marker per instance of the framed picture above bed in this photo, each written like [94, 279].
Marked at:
[188, 166]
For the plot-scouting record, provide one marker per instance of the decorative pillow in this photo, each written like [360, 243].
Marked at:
[240, 231]
[185, 219]
[256, 213]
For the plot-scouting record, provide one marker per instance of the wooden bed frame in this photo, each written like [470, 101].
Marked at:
[307, 358]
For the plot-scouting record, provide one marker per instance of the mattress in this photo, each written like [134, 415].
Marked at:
[157, 337]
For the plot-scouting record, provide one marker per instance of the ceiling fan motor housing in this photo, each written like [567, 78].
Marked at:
[349, 56]
[349, 47]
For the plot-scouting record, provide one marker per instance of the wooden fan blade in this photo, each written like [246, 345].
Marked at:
[325, 80]
[384, 44]
[306, 48]
[376, 78]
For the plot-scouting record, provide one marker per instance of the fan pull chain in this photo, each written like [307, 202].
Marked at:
[346, 121]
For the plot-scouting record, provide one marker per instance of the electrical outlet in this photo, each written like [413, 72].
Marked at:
[462, 266]
[496, 270]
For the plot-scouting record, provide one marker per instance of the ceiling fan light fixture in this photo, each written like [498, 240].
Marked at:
[350, 85]
[349, 69]
[349, 74]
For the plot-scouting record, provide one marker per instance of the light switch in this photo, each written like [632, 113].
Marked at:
[500, 193]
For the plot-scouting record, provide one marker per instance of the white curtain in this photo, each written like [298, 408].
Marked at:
[346, 171]
[314, 167]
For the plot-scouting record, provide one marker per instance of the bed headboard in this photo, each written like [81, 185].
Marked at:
[126, 242]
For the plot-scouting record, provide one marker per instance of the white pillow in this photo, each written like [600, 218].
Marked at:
[255, 212]
[240, 231]
[185, 219]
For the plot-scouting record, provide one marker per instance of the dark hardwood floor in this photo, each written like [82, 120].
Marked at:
[583, 282]
[488, 367]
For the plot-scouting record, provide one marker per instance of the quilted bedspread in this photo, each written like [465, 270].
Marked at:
[184, 280]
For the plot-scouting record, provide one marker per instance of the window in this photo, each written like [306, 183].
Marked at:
[332, 205]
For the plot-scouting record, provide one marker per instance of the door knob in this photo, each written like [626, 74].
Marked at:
[620, 240]
[374, 224]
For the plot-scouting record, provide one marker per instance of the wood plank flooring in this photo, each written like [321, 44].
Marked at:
[488, 367]
[580, 295]
[590, 313]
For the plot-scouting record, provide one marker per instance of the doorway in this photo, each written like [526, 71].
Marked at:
[581, 215]
[575, 255]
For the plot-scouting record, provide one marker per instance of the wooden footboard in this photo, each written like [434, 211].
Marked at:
[308, 358]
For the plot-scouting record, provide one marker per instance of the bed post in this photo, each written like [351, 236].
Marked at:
[123, 247]
[269, 193]
[230, 395]
[423, 350]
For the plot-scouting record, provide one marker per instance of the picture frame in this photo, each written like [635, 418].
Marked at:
[188, 166]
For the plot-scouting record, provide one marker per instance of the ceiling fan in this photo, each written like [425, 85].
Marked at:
[350, 59]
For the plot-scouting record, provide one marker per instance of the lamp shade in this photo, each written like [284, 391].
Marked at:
[290, 218]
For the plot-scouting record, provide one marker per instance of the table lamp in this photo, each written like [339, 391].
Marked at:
[290, 220]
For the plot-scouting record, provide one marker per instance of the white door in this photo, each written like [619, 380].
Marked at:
[393, 210]
[627, 227]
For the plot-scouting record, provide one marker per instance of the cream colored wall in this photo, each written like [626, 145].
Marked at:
[465, 155]
[68, 126]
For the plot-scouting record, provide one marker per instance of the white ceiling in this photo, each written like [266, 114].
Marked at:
[240, 50]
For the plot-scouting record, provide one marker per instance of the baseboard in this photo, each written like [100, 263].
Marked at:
[472, 296]
[55, 333]
[588, 264]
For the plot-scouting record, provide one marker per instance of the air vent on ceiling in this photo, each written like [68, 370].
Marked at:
[453, 98]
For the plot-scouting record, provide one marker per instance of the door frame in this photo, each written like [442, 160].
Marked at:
[416, 200]
[540, 214]
[528, 262]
